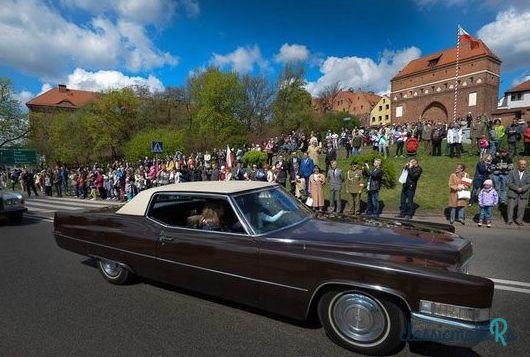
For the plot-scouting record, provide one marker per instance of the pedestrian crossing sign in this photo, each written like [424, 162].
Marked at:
[156, 147]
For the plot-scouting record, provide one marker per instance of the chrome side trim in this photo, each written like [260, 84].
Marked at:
[112, 260]
[355, 284]
[184, 264]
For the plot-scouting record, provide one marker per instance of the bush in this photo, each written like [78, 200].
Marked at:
[389, 169]
[254, 157]
[140, 145]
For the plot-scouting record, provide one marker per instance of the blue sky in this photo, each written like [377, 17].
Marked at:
[103, 44]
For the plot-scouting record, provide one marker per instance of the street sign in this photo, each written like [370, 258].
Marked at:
[18, 157]
[157, 147]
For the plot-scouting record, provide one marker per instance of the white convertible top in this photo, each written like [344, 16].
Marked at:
[138, 205]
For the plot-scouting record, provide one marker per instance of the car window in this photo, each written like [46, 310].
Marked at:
[194, 211]
[272, 209]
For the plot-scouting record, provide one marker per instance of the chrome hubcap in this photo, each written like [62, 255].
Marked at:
[110, 268]
[358, 317]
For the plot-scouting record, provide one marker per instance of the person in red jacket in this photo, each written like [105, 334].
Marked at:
[411, 145]
[526, 138]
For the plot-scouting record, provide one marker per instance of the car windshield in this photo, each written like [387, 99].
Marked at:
[272, 209]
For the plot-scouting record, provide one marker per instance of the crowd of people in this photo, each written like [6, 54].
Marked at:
[306, 163]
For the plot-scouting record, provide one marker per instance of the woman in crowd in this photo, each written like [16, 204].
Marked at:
[313, 151]
[483, 171]
[316, 187]
[456, 185]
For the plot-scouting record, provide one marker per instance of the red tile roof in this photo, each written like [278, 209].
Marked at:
[63, 98]
[522, 87]
[446, 57]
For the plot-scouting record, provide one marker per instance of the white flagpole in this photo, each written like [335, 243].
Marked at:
[456, 71]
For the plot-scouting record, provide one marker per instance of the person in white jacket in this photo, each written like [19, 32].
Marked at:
[454, 140]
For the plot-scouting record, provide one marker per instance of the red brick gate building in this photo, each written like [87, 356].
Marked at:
[425, 88]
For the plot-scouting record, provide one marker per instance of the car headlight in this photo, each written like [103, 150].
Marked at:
[454, 311]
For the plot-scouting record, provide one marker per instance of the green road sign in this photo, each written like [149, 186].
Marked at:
[18, 157]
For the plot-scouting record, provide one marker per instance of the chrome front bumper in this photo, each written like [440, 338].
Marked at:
[449, 332]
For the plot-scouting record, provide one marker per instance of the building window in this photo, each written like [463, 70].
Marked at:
[387, 106]
[373, 119]
[380, 117]
[399, 111]
[380, 107]
[362, 107]
[386, 117]
[472, 100]
[516, 96]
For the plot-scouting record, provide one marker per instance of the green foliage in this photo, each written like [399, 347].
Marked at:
[389, 180]
[292, 105]
[332, 121]
[67, 137]
[254, 157]
[13, 122]
[139, 146]
[217, 97]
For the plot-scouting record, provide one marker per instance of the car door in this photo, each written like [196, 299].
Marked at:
[222, 263]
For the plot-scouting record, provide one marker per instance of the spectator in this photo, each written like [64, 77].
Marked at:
[487, 199]
[409, 189]
[316, 188]
[313, 151]
[513, 135]
[335, 180]
[454, 140]
[437, 136]
[411, 145]
[306, 169]
[477, 131]
[354, 186]
[483, 172]
[483, 145]
[426, 133]
[456, 184]
[502, 165]
[356, 142]
[518, 192]
[374, 176]
[331, 154]
[526, 136]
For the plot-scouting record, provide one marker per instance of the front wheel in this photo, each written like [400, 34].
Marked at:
[16, 218]
[114, 272]
[361, 322]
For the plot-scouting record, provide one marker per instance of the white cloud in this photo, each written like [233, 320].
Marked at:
[156, 12]
[35, 38]
[242, 60]
[521, 79]
[104, 80]
[429, 3]
[508, 37]
[362, 72]
[292, 53]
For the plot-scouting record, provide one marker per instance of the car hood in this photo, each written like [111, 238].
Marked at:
[9, 195]
[399, 241]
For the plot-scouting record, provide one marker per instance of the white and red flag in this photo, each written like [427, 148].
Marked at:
[228, 156]
[464, 37]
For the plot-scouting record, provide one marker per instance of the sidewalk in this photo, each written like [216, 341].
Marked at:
[470, 224]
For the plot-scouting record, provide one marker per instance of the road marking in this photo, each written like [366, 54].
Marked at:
[510, 288]
[510, 282]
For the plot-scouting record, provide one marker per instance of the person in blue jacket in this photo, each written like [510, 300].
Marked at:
[306, 169]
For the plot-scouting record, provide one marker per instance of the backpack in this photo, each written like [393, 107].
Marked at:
[412, 146]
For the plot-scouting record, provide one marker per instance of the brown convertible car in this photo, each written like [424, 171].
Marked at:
[368, 281]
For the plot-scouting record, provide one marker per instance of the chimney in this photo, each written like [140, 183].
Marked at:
[62, 88]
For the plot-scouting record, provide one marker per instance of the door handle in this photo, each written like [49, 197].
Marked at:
[164, 238]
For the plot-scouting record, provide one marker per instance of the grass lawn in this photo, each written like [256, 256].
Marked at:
[432, 194]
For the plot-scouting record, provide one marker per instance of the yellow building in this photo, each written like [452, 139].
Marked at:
[380, 114]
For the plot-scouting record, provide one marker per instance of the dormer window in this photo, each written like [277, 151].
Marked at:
[433, 62]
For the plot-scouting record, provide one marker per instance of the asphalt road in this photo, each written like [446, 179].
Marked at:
[55, 303]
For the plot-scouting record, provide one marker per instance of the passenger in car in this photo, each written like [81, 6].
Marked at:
[210, 220]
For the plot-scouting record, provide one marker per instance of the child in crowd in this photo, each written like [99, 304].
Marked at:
[487, 199]
[484, 145]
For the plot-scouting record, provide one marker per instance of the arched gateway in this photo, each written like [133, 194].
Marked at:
[435, 112]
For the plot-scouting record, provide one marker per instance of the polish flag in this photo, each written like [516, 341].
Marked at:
[464, 37]
[228, 156]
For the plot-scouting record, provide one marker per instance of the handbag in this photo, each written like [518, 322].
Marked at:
[463, 194]
[309, 201]
[403, 176]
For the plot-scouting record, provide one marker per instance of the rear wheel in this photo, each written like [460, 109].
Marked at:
[114, 272]
[361, 322]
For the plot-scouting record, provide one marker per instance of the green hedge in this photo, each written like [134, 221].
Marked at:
[389, 168]
[254, 157]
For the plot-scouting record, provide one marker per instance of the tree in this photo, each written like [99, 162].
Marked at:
[258, 95]
[292, 104]
[328, 94]
[140, 145]
[13, 121]
[68, 139]
[217, 97]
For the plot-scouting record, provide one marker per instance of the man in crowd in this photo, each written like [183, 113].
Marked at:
[478, 128]
[437, 136]
[331, 154]
[502, 164]
[518, 192]
[335, 179]
[374, 175]
[513, 135]
[409, 189]
[426, 132]
[306, 169]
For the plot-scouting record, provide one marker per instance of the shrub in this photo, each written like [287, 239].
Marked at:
[389, 169]
[254, 157]
[140, 145]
